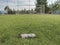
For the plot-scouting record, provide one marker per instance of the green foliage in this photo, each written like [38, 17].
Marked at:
[39, 3]
[8, 10]
[46, 28]
[55, 6]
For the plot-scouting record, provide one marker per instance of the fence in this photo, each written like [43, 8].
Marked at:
[22, 6]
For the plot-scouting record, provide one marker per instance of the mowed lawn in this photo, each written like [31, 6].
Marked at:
[46, 28]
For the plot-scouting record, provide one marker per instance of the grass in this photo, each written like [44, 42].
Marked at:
[46, 27]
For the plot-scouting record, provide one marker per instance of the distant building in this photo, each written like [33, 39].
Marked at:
[3, 12]
[0, 12]
[57, 12]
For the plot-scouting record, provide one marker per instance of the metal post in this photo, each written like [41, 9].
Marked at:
[29, 4]
[7, 2]
[17, 6]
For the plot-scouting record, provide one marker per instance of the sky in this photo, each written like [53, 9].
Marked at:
[20, 4]
[51, 1]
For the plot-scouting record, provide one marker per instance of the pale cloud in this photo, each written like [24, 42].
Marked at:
[51, 1]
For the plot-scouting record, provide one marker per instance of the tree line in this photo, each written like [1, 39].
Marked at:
[41, 6]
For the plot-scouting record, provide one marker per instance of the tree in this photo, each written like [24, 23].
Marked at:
[13, 12]
[8, 10]
[39, 5]
[55, 6]
[58, 4]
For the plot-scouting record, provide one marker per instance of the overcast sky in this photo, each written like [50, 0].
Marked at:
[14, 3]
[51, 1]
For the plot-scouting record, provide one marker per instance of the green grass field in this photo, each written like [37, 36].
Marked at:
[46, 27]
